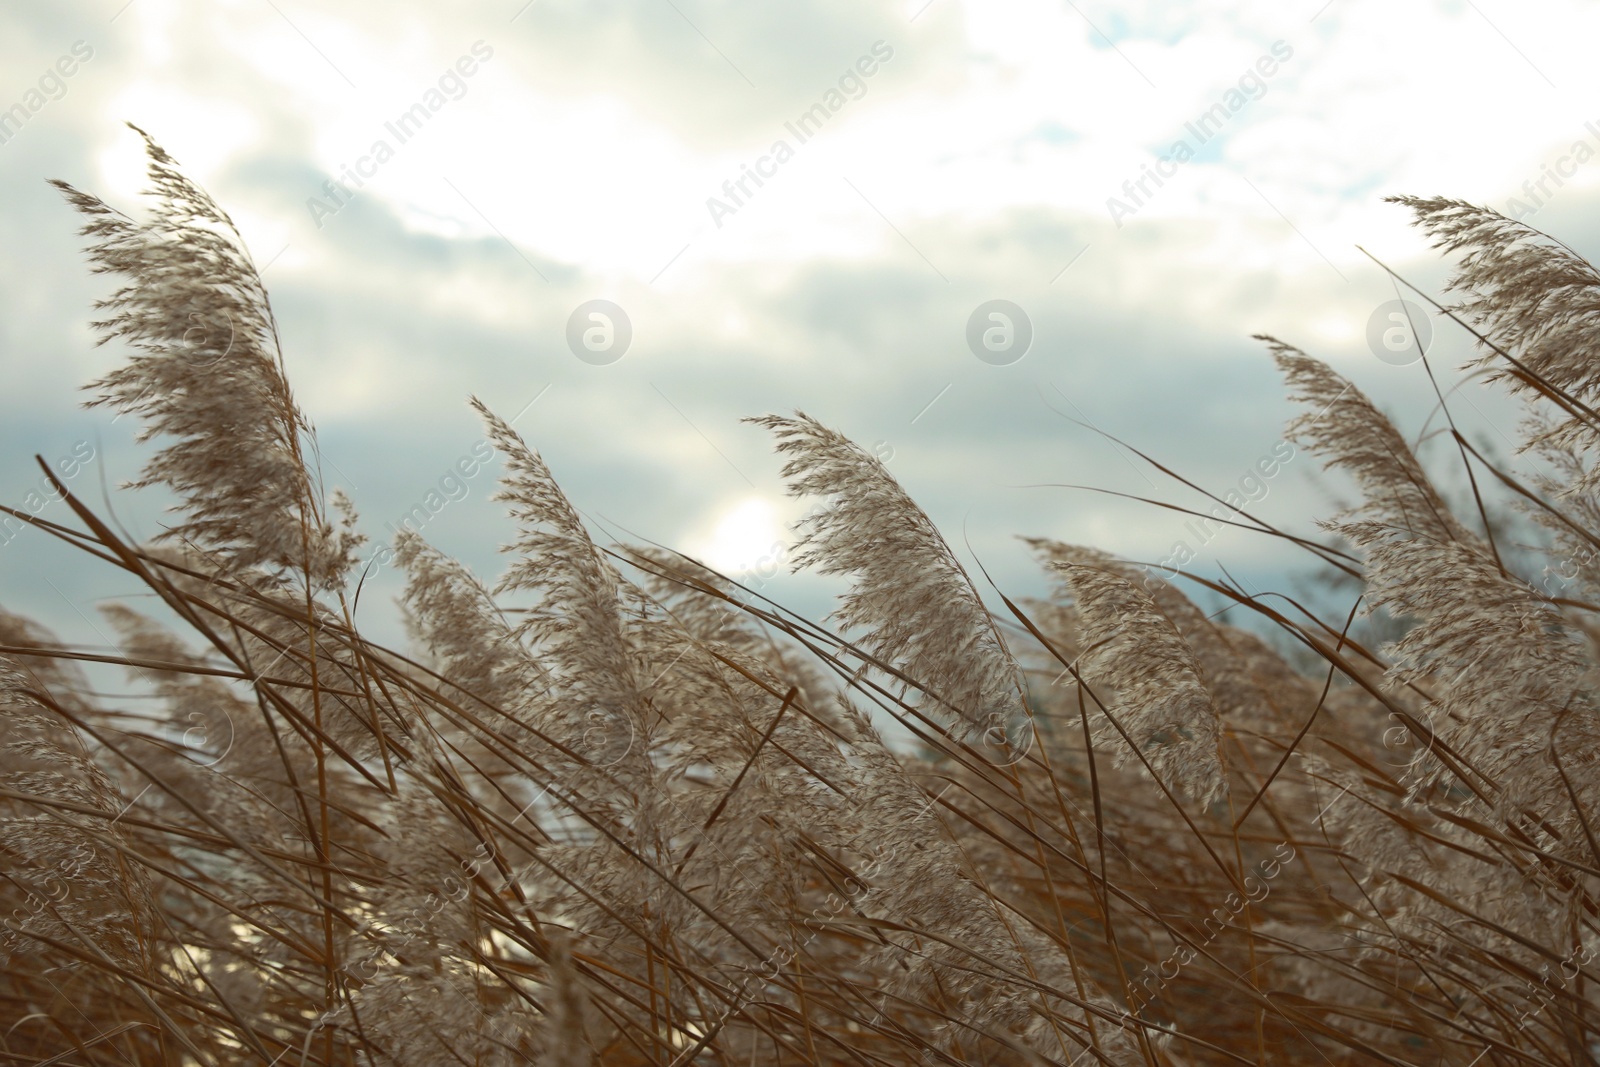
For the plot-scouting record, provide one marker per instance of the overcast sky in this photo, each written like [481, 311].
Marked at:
[1148, 184]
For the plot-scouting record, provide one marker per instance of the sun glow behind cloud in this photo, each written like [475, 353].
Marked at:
[744, 537]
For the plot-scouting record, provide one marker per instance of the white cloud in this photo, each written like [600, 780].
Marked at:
[988, 144]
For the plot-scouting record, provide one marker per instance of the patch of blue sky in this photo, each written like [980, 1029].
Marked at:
[1362, 190]
[1207, 151]
[1052, 132]
[1114, 29]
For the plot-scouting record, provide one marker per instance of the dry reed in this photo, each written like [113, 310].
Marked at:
[614, 810]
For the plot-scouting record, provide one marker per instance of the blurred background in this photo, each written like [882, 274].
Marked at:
[977, 238]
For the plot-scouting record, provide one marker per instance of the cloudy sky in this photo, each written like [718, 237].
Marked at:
[438, 193]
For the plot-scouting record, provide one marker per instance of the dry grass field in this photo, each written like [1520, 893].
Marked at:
[613, 808]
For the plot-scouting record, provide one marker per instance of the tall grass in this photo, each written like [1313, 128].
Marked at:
[615, 809]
